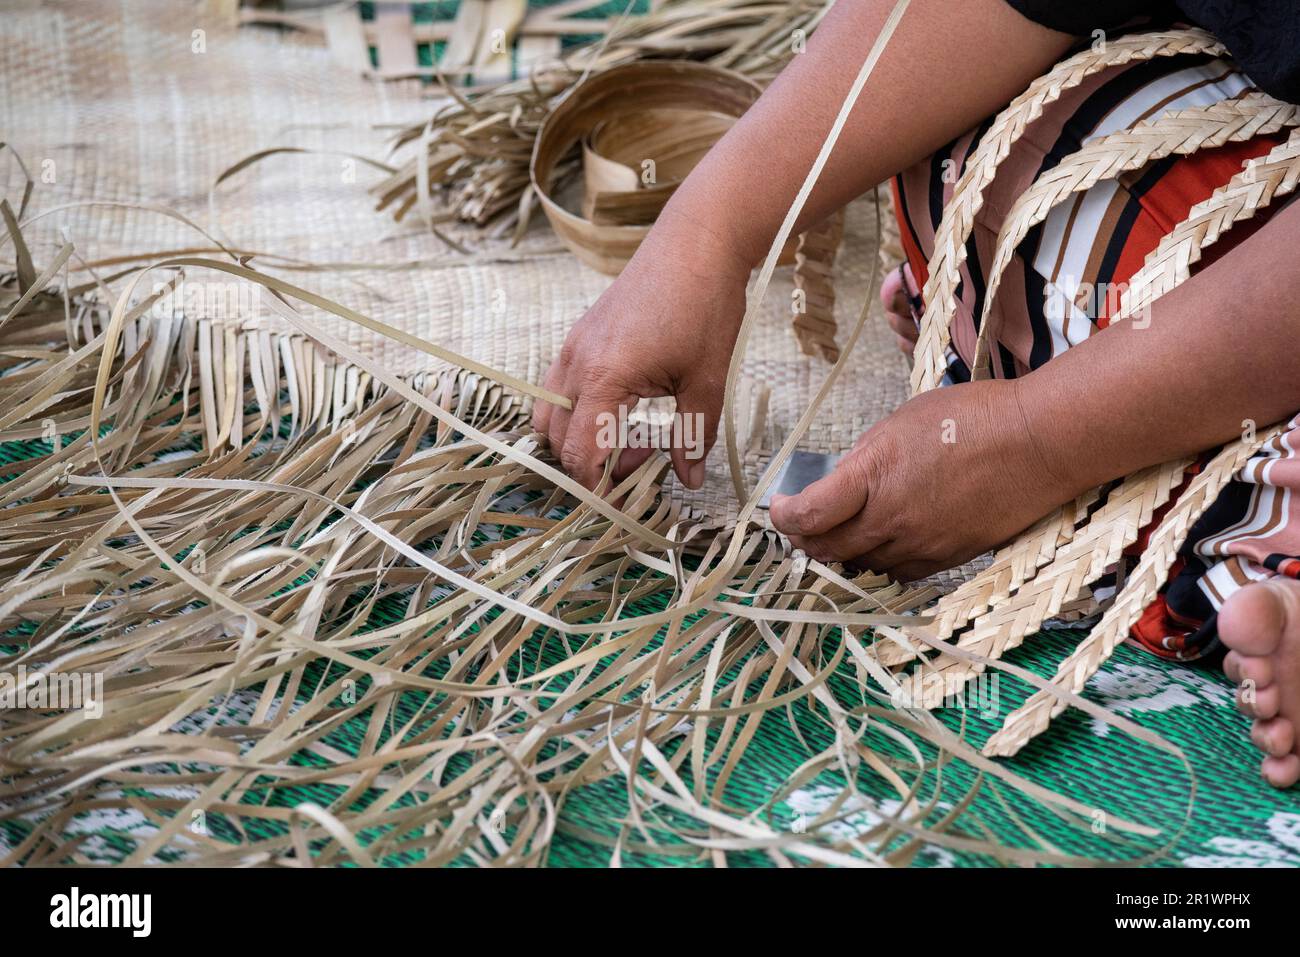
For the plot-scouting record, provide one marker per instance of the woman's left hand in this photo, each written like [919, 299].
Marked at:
[951, 474]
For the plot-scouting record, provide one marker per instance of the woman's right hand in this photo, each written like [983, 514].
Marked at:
[665, 327]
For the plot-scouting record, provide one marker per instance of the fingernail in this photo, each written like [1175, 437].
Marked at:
[695, 475]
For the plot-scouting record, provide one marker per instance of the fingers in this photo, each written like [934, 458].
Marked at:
[900, 305]
[891, 291]
[695, 429]
[897, 559]
[859, 535]
[631, 459]
[543, 411]
[915, 570]
[584, 439]
[861, 546]
[825, 503]
[903, 326]
[557, 428]
[604, 396]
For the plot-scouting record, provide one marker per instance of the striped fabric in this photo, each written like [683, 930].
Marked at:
[1065, 283]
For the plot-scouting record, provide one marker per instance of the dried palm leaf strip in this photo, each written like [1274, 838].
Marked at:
[958, 219]
[633, 163]
[632, 89]
[1263, 179]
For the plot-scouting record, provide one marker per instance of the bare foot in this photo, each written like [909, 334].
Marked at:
[897, 293]
[1260, 624]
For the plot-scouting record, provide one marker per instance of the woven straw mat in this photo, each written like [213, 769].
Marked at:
[114, 102]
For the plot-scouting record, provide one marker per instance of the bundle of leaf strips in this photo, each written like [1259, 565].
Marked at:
[297, 573]
[472, 159]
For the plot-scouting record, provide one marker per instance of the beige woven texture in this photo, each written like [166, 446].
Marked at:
[155, 122]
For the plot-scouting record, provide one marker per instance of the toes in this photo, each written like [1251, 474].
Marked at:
[892, 295]
[1253, 624]
[1257, 702]
[1252, 620]
[1275, 738]
[1232, 667]
[1255, 671]
[1281, 772]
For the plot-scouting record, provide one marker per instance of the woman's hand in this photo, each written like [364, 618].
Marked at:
[665, 327]
[951, 474]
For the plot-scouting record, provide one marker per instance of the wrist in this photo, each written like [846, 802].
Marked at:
[703, 240]
[1041, 441]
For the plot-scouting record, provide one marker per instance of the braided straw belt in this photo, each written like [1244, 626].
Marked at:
[958, 219]
[1048, 568]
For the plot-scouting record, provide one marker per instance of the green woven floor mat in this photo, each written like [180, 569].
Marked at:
[1236, 817]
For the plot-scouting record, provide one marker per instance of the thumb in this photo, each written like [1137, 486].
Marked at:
[824, 504]
[695, 429]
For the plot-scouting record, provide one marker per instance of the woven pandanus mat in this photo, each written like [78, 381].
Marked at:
[164, 114]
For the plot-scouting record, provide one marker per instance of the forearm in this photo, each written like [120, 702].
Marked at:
[947, 67]
[1220, 352]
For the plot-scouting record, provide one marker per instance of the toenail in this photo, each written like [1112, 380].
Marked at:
[1232, 666]
[1257, 670]
[1281, 772]
[1257, 702]
[1266, 737]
